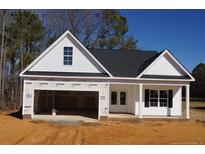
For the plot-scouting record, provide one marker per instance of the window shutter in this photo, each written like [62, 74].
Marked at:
[146, 97]
[170, 102]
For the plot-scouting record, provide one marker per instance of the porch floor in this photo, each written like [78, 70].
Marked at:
[162, 117]
[122, 115]
[131, 116]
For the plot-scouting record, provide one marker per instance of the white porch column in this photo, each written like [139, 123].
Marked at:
[140, 100]
[187, 102]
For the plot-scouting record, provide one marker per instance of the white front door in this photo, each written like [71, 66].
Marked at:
[118, 101]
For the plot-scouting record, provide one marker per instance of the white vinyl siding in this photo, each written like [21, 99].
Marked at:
[53, 60]
[164, 66]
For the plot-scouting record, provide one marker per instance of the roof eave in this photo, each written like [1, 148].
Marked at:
[112, 78]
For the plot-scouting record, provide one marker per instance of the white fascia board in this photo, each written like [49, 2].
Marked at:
[44, 53]
[155, 84]
[54, 44]
[162, 54]
[182, 67]
[150, 79]
[108, 78]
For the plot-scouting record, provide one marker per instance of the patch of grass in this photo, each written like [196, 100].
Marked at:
[197, 110]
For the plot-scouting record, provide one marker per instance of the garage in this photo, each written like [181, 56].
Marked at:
[80, 103]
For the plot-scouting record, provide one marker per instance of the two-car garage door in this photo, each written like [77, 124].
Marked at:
[83, 103]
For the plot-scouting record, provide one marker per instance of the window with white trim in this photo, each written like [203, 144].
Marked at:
[68, 56]
[158, 98]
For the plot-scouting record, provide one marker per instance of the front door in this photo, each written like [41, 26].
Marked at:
[118, 101]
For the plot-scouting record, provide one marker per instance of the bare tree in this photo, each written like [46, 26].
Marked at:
[2, 57]
[21, 60]
[57, 21]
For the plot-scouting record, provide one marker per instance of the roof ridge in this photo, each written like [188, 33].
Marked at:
[132, 50]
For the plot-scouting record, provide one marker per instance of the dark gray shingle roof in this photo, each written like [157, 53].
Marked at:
[66, 74]
[125, 63]
[165, 77]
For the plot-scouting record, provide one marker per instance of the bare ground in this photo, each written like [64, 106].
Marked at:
[17, 131]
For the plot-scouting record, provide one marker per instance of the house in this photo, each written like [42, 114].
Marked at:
[68, 79]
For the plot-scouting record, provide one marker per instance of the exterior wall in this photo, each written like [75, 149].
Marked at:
[176, 110]
[31, 85]
[164, 66]
[104, 90]
[53, 61]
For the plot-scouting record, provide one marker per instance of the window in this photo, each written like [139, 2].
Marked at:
[163, 98]
[157, 98]
[68, 56]
[153, 98]
[113, 98]
[122, 98]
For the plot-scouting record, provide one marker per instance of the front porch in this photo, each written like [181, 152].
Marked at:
[161, 101]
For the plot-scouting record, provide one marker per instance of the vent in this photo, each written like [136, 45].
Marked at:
[92, 84]
[60, 84]
[28, 82]
[43, 83]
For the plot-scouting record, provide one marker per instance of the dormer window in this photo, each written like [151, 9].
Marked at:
[68, 56]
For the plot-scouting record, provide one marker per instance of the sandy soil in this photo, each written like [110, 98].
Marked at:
[17, 131]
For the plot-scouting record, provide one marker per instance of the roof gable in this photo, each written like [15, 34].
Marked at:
[51, 60]
[166, 66]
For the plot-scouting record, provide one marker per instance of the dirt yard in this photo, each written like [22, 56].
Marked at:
[17, 131]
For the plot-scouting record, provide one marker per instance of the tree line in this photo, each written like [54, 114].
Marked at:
[197, 88]
[24, 34]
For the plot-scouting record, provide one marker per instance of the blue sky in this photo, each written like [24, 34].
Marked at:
[180, 31]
